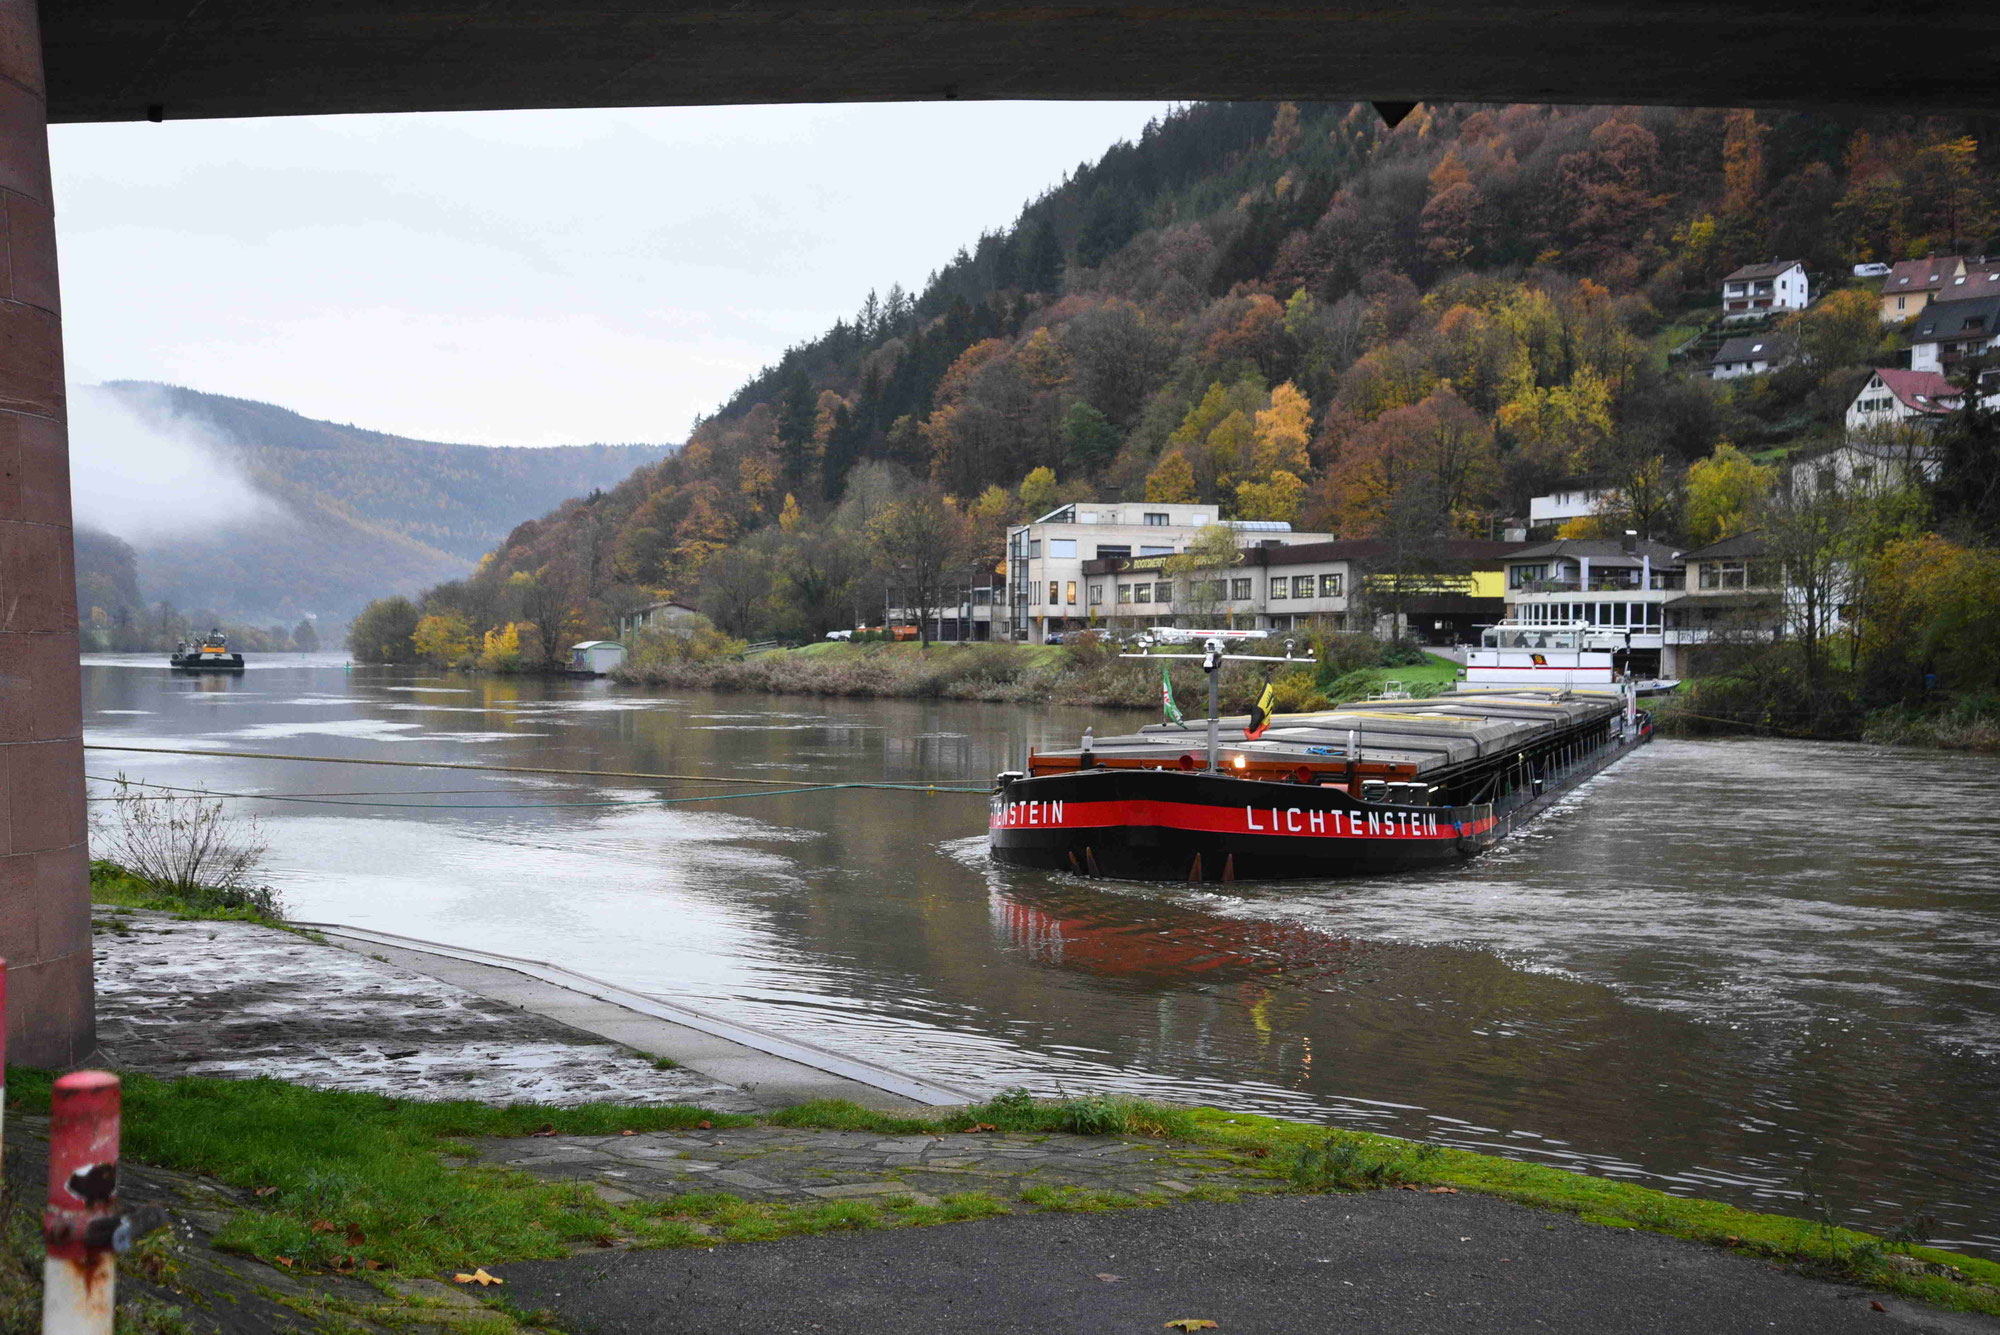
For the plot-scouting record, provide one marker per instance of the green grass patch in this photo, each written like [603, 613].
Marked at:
[1354, 1159]
[112, 886]
[344, 1179]
[361, 1176]
[1015, 1111]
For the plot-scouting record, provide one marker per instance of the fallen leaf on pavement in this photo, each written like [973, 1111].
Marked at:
[1190, 1323]
[479, 1277]
[1110, 1279]
[1409, 1186]
[548, 1129]
[1876, 1307]
[979, 1126]
[628, 1133]
[284, 1261]
[1444, 1191]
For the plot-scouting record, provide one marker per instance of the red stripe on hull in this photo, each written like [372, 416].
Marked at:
[1290, 822]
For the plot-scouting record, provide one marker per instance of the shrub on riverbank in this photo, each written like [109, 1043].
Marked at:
[1086, 671]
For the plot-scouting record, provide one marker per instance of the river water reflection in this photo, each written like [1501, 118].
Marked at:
[1724, 967]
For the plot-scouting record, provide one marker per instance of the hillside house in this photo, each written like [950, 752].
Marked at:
[1980, 279]
[1867, 464]
[1893, 395]
[1764, 289]
[1752, 355]
[1911, 285]
[1559, 507]
[662, 614]
[1948, 332]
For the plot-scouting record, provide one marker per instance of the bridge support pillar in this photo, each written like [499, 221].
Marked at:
[44, 860]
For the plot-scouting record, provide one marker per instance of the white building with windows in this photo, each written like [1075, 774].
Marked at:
[1046, 587]
[1559, 507]
[1948, 332]
[1764, 289]
[1617, 589]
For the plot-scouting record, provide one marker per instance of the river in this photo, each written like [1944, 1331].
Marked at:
[1761, 971]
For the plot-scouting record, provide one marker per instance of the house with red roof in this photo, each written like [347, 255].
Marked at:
[1893, 395]
[1911, 285]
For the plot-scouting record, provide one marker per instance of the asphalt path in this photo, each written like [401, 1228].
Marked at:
[1390, 1261]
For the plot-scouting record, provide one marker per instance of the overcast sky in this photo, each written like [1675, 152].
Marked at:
[524, 278]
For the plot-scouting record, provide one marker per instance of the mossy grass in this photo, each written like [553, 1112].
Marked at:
[346, 1179]
[112, 886]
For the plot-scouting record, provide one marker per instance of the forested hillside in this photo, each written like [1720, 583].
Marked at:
[1300, 314]
[351, 512]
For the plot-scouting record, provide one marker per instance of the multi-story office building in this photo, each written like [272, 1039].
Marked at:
[1047, 589]
[1442, 596]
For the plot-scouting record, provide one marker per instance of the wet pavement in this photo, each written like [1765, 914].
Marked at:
[235, 1000]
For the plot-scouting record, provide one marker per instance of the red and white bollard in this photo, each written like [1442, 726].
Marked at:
[82, 1225]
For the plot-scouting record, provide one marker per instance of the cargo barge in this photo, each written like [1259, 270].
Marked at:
[1370, 787]
[207, 653]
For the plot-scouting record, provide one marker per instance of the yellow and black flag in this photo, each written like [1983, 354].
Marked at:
[1260, 715]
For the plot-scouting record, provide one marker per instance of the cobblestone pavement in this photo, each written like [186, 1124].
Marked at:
[234, 999]
[803, 1166]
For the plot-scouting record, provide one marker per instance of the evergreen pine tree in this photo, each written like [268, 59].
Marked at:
[1043, 267]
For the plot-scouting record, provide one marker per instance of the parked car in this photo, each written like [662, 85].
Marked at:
[1054, 637]
[840, 635]
[1871, 271]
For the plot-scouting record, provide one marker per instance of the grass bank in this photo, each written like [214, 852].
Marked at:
[1730, 706]
[372, 1185]
[1084, 674]
[113, 886]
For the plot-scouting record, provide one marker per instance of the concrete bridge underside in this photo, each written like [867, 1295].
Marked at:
[183, 59]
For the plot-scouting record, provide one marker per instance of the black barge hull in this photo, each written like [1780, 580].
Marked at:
[1169, 825]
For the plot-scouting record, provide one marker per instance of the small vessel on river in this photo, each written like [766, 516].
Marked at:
[206, 653]
[1374, 786]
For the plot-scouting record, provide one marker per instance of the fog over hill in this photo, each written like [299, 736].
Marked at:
[258, 515]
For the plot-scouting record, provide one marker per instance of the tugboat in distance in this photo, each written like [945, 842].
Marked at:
[208, 653]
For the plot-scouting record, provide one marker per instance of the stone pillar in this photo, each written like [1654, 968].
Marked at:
[44, 863]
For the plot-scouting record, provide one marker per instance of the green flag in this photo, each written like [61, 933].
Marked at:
[1167, 697]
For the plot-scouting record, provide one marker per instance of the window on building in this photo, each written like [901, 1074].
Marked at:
[1124, 593]
[982, 597]
[1521, 576]
[1063, 548]
[1281, 587]
[1329, 586]
[1155, 551]
[1052, 590]
[1239, 590]
[1034, 547]
[1069, 593]
[1302, 586]
[1142, 593]
[1156, 519]
[1096, 594]
[1106, 551]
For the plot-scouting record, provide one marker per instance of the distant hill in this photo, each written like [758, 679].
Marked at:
[356, 512]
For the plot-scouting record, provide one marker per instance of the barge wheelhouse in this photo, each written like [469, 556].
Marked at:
[1375, 786]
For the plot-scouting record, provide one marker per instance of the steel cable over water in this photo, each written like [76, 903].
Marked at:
[765, 787]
